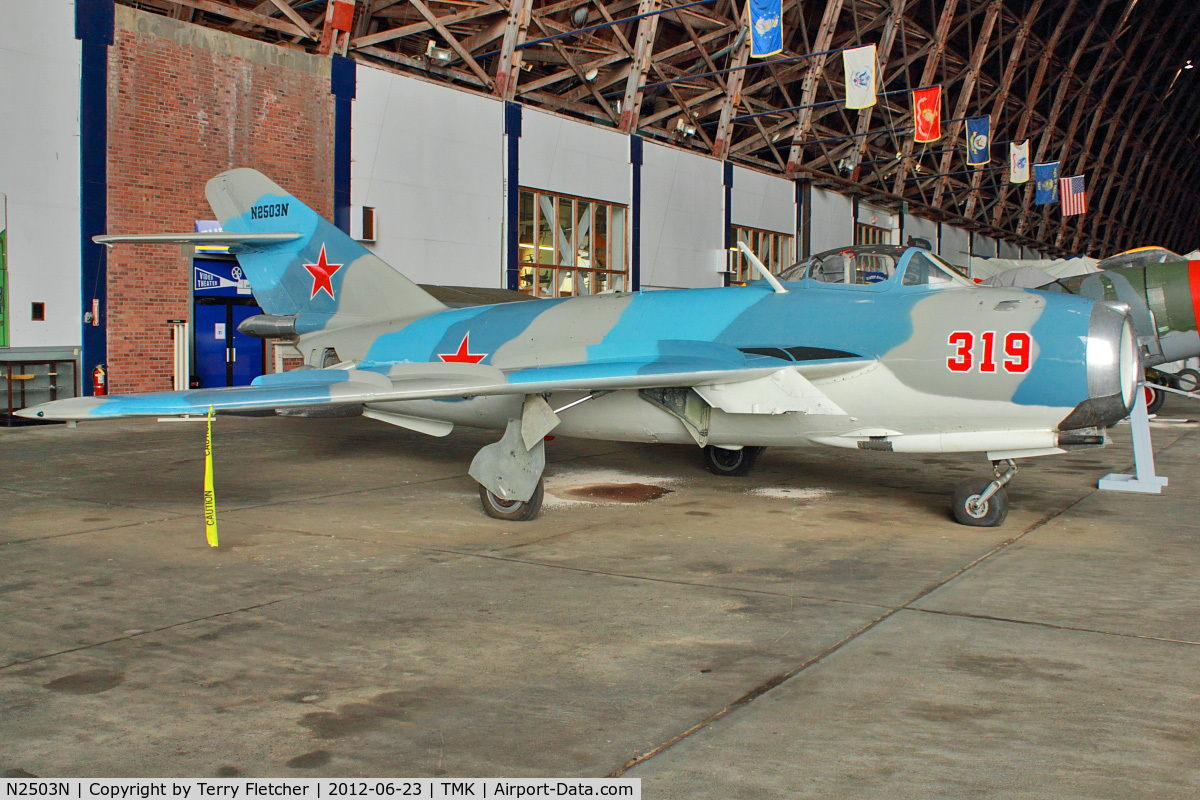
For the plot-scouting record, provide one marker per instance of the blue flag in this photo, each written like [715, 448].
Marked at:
[766, 27]
[979, 140]
[1046, 177]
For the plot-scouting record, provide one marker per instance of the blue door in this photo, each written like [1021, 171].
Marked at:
[223, 356]
[212, 334]
[246, 352]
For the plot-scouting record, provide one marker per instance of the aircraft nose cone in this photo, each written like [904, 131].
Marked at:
[1112, 369]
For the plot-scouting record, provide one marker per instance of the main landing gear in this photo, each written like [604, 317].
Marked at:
[731, 463]
[509, 472]
[982, 503]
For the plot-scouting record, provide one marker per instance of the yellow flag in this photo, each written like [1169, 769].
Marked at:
[210, 495]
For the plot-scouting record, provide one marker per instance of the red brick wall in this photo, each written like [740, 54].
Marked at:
[178, 114]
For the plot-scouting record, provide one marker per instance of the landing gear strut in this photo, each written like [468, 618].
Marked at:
[982, 503]
[509, 472]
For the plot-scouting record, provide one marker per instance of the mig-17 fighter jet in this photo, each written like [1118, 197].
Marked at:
[875, 348]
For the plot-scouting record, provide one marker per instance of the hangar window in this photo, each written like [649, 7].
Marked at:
[870, 234]
[773, 249]
[569, 245]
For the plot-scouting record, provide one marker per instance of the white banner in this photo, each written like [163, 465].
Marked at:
[1018, 162]
[322, 789]
[859, 63]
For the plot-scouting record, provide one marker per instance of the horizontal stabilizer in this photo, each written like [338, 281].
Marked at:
[209, 238]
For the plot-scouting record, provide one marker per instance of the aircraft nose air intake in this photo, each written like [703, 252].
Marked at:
[1112, 369]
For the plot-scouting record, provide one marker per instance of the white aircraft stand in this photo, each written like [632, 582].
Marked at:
[1143, 480]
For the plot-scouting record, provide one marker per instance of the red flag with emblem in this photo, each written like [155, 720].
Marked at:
[927, 114]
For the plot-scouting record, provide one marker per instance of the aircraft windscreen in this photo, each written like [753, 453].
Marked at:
[850, 265]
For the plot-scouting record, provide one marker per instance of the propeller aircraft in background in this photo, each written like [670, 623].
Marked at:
[873, 348]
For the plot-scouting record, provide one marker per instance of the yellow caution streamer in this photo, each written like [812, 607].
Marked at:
[210, 495]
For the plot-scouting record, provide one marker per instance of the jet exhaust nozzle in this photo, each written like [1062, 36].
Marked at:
[269, 326]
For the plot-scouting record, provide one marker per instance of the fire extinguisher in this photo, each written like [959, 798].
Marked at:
[99, 381]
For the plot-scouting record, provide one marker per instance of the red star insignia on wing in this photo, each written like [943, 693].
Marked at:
[464, 354]
[321, 272]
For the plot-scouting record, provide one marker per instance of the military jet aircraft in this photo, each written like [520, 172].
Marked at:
[875, 348]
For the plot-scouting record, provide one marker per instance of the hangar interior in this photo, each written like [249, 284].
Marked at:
[818, 628]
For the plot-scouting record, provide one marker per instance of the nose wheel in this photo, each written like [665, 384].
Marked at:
[982, 503]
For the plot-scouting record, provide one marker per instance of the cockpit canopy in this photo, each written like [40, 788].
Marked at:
[875, 264]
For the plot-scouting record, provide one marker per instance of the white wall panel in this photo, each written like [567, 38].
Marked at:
[1009, 250]
[922, 229]
[832, 220]
[570, 157]
[985, 246]
[763, 201]
[683, 218]
[430, 160]
[956, 246]
[39, 169]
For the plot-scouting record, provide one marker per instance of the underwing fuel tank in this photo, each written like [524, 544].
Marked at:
[1163, 300]
[1112, 369]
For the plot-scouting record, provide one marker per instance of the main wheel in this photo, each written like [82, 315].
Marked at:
[969, 511]
[1155, 397]
[727, 463]
[1187, 380]
[512, 510]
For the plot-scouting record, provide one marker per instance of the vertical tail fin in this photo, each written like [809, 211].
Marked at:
[324, 277]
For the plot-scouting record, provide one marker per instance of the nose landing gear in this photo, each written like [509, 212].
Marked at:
[982, 503]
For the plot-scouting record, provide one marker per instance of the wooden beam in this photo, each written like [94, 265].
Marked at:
[452, 40]
[1001, 99]
[631, 104]
[964, 95]
[733, 97]
[242, 15]
[932, 59]
[883, 52]
[1031, 99]
[816, 66]
[420, 27]
[296, 19]
[509, 65]
[1084, 103]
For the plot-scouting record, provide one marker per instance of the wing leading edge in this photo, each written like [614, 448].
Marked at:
[433, 381]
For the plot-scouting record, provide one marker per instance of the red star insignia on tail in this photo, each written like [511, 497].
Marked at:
[321, 272]
[464, 354]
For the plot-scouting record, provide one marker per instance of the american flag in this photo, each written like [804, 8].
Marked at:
[1072, 196]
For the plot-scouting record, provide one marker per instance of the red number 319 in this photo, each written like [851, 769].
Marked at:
[1018, 347]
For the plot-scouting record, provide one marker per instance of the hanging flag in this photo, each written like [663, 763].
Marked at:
[1072, 194]
[927, 114]
[1046, 177]
[859, 63]
[766, 27]
[1018, 162]
[979, 140]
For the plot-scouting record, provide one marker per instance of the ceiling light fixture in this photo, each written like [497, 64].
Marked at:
[435, 53]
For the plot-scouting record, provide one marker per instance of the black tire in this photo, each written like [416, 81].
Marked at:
[1187, 380]
[992, 513]
[512, 510]
[1155, 398]
[731, 463]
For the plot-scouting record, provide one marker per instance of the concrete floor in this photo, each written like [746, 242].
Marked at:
[821, 628]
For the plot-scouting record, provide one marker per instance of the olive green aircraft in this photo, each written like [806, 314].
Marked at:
[1164, 302]
[872, 348]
